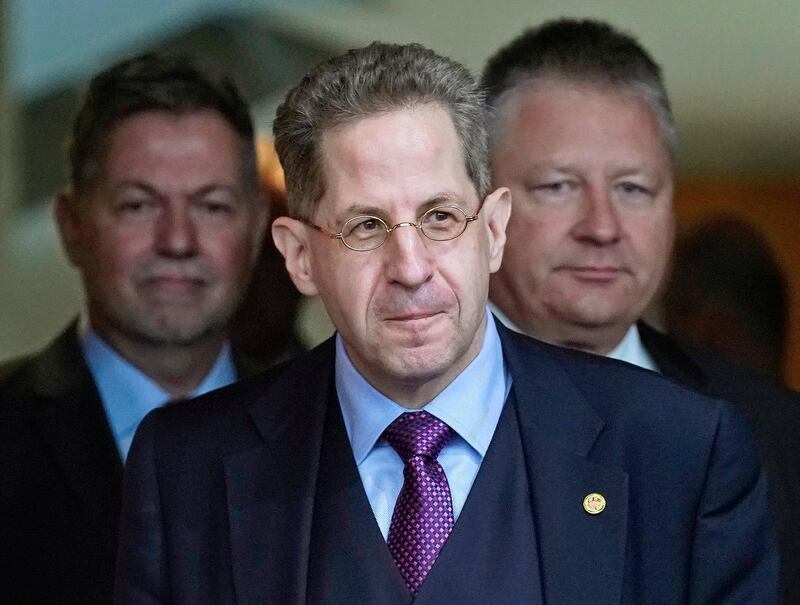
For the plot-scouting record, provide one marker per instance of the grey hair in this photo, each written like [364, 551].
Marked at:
[584, 51]
[376, 79]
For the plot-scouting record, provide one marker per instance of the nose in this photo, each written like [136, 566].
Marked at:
[599, 222]
[176, 235]
[408, 261]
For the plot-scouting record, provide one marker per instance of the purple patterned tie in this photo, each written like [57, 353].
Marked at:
[423, 514]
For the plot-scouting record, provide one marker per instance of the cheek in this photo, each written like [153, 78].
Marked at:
[346, 284]
[532, 240]
[109, 266]
[118, 253]
[462, 275]
[652, 243]
[533, 219]
[230, 253]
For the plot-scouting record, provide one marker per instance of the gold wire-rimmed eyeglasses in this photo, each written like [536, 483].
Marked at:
[365, 232]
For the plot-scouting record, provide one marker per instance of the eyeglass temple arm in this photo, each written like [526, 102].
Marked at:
[322, 230]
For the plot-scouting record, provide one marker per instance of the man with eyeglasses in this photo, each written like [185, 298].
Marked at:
[425, 453]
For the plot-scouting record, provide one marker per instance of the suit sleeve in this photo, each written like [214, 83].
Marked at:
[141, 563]
[734, 558]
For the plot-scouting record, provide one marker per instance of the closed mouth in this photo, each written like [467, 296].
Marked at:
[413, 316]
[594, 272]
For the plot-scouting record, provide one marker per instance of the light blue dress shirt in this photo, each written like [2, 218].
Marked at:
[470, 405]
[128, 394]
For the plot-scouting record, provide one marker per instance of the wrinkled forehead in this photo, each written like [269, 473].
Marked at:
[404, 156]
[508, 106]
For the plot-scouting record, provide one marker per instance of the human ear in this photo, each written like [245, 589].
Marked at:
[496, 211]
[290, 237]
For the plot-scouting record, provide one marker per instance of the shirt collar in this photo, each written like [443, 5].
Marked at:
[632, 350]
[504, 318]
[128, 394]
[470, 405]
[629, 349]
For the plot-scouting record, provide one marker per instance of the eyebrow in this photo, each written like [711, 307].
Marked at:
[199, 192]
[640, 170]
[213, 187]
[633, 167]
[363, 209]
[126, 186]
[555, 166]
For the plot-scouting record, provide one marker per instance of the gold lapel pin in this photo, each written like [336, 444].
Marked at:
[594, 503]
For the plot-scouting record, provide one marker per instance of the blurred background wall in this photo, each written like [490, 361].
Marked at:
[732, 68]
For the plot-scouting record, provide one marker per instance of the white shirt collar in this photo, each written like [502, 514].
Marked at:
[632, 350]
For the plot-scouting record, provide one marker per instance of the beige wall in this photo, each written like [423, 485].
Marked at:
[39, 293]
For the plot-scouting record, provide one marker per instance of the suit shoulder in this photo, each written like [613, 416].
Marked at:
[17, 379]
[9, 368]
[593, 367]
[711, 373]
[226, 415]
[614, 386]
[14, 371]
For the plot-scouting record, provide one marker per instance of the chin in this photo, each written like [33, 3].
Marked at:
[175, 331]
[417, 365]
[592, 309]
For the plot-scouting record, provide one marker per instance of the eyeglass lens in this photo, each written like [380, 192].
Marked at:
[440, 224]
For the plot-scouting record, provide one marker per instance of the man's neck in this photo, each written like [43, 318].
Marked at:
[179, 370]
[600, 341]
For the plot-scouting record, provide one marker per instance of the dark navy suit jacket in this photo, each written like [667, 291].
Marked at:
[774, 413]
[60, 480]
[219, 493]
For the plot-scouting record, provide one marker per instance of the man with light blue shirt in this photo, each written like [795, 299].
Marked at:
[163, 219]
[128, 394]
[425, 453]
[471, 405]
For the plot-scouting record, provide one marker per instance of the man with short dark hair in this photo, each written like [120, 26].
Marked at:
[425, 454]
[163, 220]
[582, 134]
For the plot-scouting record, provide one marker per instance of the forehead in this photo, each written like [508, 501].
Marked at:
[158, 146]
[555, 114]
[394, 159]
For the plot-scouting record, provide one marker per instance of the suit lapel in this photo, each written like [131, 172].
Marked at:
[271, 487]
[582, 555]
[72, 422]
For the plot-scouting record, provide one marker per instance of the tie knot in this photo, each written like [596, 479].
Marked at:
[417, 434]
